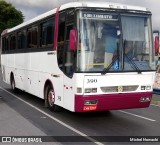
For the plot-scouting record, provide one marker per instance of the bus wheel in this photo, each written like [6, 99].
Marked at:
[51, 100]
[13, 84]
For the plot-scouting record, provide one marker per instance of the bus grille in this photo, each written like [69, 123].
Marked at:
[119, 88]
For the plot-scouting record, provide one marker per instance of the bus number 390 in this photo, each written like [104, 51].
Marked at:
[91, 81]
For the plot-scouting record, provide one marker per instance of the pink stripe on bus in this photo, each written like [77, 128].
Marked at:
[113, 101]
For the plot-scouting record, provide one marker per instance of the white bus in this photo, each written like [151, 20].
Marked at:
[83, 56]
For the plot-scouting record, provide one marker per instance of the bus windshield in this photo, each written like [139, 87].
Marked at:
[114, 42]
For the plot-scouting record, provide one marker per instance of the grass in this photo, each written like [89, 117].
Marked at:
[156, 101]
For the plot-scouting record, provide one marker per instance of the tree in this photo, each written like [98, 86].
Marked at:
[9, 16]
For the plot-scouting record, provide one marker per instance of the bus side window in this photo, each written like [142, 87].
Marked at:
[64, 55]
[70, 56]
[12, 42]
[68, 64]
[5, 43]
[60, 46]
[47, 33]
[32, 37]
[22, 39]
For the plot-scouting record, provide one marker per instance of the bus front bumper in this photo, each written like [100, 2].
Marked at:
[89, 103]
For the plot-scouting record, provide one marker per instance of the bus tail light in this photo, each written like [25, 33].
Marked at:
[90, 105]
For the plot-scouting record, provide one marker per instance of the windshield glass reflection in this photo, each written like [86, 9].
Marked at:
[102, 37]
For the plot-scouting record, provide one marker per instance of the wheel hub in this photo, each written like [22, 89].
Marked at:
[51, 98]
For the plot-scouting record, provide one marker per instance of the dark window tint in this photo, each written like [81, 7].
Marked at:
[47, 33]
[32, 34]
[60, 47]
[69, 27]
[12, 42]
[21, 40]
[5, 42]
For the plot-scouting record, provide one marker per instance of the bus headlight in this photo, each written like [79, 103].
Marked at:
[146, 87]
[91, 90]
[145, 99]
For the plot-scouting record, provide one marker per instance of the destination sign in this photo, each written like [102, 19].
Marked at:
[99, 16]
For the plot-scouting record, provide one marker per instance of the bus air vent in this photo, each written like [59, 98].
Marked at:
[119, 88]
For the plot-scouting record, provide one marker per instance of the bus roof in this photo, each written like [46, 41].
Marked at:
[99, 4]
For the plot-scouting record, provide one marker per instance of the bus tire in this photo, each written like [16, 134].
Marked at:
[51, 99]
[13, 84]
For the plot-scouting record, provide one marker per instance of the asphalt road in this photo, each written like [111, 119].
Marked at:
[23, 114]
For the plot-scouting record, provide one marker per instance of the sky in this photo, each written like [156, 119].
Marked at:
[32, 8]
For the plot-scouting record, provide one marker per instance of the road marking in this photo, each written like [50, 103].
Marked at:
[155, 105]
[55, 119]
[137, 115]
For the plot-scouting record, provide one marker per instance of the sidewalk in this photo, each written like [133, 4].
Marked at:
[13, 124]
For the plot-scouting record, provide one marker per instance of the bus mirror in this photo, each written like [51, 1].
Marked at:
[73, 39]
[156, 45]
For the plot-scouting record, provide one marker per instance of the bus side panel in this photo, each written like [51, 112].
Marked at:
[32, 70]
[11, 61]
[32, 73]
[19, 73]
[68, 93]
[31, 83]
[7, 67]
[38, 73]
[43, 66]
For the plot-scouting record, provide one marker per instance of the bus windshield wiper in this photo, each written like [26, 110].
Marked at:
[115, 58]
[133, 64]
